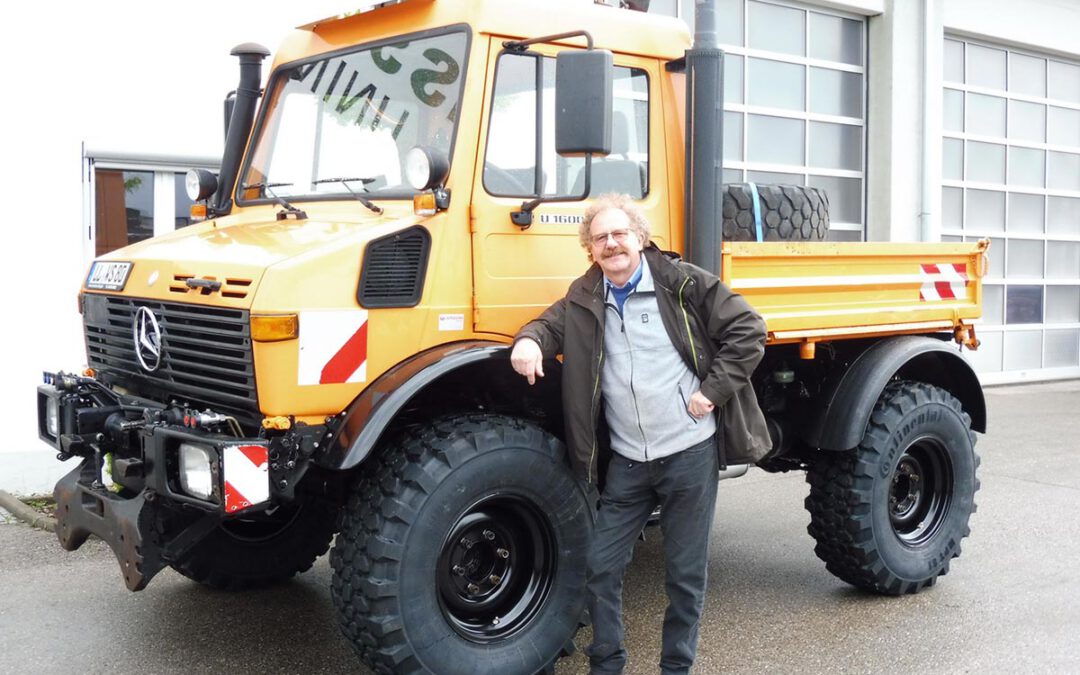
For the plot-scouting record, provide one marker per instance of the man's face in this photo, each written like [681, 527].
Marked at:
[614, 245]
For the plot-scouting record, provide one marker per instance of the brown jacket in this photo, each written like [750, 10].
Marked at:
[719, 336]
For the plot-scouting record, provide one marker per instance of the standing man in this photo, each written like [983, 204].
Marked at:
[665, 350]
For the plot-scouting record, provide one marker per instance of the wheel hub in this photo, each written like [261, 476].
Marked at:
[907, 488]
[480, 560]
[919, 491]
[496, 567]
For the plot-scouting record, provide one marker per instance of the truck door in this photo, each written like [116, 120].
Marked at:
[517, 272]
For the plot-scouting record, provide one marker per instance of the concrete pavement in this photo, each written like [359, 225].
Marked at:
[1008, 604]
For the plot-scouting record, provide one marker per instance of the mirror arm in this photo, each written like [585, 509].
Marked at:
[524, 217]
[521, 45]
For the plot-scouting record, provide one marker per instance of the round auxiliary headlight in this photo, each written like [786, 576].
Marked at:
[418, 169]
[199, 184]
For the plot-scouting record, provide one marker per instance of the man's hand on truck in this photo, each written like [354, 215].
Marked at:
[527, 359]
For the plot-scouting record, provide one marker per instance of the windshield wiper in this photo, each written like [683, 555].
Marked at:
[359, 197]
[289, 208]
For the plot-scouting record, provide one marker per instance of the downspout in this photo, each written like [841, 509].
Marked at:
[929, 228]
[704, 180]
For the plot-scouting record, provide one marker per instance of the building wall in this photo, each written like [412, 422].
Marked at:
[150, 77]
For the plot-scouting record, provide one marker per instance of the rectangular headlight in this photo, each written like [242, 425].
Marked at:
[52, 416]
[196, 476]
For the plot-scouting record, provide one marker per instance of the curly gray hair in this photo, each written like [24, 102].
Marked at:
[613, 200]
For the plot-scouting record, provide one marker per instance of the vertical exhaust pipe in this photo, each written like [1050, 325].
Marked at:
[243, 115]
[704, 180]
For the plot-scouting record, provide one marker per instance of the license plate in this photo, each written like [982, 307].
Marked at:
[108, 276]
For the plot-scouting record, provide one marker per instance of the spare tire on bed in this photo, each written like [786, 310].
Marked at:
[787, 212]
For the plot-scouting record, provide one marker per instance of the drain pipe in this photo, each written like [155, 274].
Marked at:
[704, 180]
[243, 115]
[933, 47]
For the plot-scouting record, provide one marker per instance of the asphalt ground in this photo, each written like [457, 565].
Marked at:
[1008, 605]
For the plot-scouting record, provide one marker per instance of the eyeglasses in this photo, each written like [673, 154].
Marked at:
[601, 239]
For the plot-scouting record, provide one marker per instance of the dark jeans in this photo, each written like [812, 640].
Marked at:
[684, 485]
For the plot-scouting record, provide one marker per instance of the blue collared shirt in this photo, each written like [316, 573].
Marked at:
[620, 294]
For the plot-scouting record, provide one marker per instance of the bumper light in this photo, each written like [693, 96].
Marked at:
[196, 477]
[52, 417]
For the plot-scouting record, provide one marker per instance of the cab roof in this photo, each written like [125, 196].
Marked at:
[619, 30]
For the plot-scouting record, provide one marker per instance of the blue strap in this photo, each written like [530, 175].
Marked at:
[756, 208]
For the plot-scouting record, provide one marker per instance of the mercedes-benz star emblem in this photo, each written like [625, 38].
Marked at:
[147, 339]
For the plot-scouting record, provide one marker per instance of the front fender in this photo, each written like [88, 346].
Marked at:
[471, 375]
[847, 406]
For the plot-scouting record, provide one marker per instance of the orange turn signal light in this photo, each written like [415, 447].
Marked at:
[423, 204]
[274, 327]
[198, 212]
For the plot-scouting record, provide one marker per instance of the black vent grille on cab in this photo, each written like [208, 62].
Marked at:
[394, 269]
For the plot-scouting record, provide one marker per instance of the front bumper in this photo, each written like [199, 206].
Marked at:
[127, 489]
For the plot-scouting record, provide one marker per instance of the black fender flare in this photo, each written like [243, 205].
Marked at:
[358, 429]
[848, 402]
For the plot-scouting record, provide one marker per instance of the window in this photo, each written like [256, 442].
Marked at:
[520, 160]
[1011, 171]
[795, 100]
[124, 204]
[346, 122]
[129, 199]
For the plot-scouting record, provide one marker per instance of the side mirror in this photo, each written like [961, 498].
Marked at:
[583, 102]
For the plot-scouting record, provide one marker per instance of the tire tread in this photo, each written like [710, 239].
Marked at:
[377, 519]
[841, 489]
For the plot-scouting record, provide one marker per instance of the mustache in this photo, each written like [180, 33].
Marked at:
[609, 252]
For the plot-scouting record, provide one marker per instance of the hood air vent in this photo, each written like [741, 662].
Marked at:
[394, 269]
[230, 288]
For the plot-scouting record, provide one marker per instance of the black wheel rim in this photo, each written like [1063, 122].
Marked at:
[920, 491]
[496, 567]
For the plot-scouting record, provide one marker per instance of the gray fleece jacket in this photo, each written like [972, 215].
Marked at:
[646, 384]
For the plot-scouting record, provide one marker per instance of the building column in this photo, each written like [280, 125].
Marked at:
[904, 122]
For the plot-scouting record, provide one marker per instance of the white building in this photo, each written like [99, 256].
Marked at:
[925, 120]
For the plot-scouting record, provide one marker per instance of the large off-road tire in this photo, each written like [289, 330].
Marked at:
[788, 213]
[253, 553]
[889, 515]
[464, 551]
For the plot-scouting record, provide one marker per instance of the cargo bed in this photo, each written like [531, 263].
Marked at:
[812, 292]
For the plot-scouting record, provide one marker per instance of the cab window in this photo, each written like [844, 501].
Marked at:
[520, 160]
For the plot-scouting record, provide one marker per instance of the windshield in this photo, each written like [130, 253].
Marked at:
[354, 117]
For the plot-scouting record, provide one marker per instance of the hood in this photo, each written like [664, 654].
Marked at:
[237, 250]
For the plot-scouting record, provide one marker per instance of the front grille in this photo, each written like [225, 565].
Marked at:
[206, 359]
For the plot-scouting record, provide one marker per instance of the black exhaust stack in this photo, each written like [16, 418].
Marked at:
[704, 141]
[243, 115]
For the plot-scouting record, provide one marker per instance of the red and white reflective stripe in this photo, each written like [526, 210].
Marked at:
[333, 347]
[247, 477]
[943, 282]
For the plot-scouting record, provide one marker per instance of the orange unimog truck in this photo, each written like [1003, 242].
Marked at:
[327, 353]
